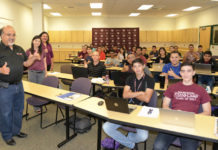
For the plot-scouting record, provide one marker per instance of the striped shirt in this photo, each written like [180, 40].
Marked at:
[98, 70]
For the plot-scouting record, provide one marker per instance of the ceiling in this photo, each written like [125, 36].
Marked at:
[121, 8]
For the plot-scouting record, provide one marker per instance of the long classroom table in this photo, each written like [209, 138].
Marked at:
[204, 125]
[51, 94]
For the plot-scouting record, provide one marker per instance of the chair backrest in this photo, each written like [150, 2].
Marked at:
[81, 85]
[79, 72]
[51, 81]
[120, 77]
[66, 69]
[153, 100]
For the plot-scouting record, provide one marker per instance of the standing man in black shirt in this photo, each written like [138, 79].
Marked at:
[12, 60]
[138, 89]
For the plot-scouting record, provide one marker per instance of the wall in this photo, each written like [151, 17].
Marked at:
[21, 18]
[87, 23]
[203, 18]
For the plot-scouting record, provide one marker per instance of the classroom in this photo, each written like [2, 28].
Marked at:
[109, 74]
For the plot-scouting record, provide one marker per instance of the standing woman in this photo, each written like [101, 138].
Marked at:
[46, 46]
[38, 70]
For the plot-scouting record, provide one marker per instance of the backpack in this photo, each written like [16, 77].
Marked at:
[82, 125]
[108, 143]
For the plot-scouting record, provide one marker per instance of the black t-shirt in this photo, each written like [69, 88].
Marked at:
[141, 85]
[98, 70]
[14, 59]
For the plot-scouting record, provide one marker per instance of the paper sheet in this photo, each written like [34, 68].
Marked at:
[69, 96]
[149, 112]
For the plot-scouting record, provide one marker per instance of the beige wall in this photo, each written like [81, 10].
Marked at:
[21, 18]
[203, 18]
[87, 23]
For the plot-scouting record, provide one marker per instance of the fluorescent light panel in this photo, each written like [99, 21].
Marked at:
[96, 13]
[45, 6]
[192, 8]
[55, 14]
[171, 15]
[134, 14]
[214, 0]
[96, 5]
[145, 7]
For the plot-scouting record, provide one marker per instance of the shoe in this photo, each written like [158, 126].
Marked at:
[10, 142]
[21, 135]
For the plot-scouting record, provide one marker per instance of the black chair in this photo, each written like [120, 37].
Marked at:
[66, 69]
[79, 72]
[120, 77]
[40, 102]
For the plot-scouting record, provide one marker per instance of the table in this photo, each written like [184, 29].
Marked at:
[204, 125]
[110, 85]
[51, 93]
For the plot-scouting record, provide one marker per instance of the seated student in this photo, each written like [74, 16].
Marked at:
[83, 53]
[138, 94]
[191, 55]
[207, 79]
[112, 61]
[133, 50]
[101, 53]
[96, 68]
[144, 52]
[172, 69]
[128, 65]
[88, 57]
[200, 51]
[138, 54]
[121, 55]
[185, 96]
[162, 58]
[176, 48]
[154, 52]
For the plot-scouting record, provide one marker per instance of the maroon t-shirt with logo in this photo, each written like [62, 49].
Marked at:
[187, 97]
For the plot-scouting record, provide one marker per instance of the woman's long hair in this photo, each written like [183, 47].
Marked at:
[47, 35]
[32, 45]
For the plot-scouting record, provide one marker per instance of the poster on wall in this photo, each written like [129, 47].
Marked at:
[120, 37]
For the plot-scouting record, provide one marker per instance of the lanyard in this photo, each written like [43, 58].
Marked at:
[139, 84]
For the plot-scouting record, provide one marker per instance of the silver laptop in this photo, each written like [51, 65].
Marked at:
[202, 68]
[179, 118]
[157, 67]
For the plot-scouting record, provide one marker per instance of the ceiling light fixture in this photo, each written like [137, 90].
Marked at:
[171, 15]
[55, 14]
[192, 8]
[45, 6]
[96, 5]
[145, 7]
[96, 13]
[134, 14]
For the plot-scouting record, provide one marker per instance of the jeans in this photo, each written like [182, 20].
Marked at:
[163, 141]
[208, 80]
[129, 141]
[11, 110]
[36, 76]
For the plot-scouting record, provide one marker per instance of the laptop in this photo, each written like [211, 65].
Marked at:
[173, 81]
[157, 67]
[118, 105]
[178, 118]
[120, 77]
[202, 68]
[79, 72]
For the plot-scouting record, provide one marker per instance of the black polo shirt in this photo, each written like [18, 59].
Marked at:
[141, 85]
[14, 59]
[98, 70]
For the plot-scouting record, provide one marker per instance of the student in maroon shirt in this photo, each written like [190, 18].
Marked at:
[83, 53]
[185, 96]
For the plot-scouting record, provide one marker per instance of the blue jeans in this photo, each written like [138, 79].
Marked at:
[11, 110]
[129, 141]
[163, 142]
[208, 80]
